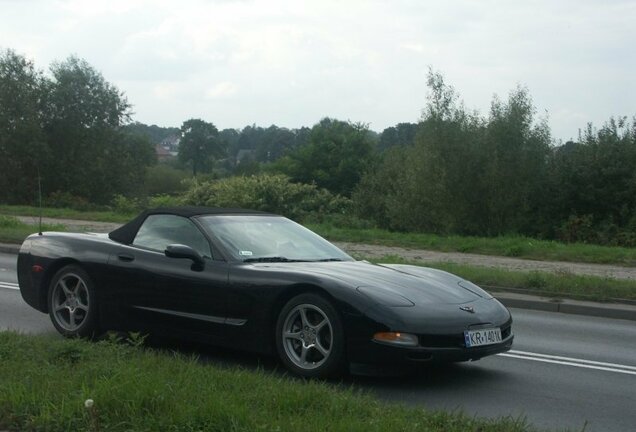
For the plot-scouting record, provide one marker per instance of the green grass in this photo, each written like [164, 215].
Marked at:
[44, 382]
[558, 285]
[510, 246]
[14, 231]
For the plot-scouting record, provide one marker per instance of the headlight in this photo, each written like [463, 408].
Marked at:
[396, 338]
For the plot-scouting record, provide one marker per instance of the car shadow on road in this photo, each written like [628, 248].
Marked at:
[430, 377]
[433, 376]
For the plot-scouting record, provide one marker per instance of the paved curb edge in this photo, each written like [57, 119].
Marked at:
[9, 248]
[604, 310]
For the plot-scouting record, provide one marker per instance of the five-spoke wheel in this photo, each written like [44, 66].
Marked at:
[309, 336]
[72, 302]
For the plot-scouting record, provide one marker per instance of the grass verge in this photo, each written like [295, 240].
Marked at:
[558, 285]
[44, 382]
[14, 231]
[511, 246]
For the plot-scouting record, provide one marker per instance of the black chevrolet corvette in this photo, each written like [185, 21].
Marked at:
[258, 281]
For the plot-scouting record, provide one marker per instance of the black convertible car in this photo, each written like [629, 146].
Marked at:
[258, 281]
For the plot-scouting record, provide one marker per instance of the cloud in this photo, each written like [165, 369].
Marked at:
[289, 62]
[222, 90]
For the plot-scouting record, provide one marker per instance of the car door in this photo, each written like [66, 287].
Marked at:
[172, 294]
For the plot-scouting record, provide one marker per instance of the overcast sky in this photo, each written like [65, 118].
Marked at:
[290, 63]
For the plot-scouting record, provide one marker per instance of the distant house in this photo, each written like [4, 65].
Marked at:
[171, 143]
[163, 154]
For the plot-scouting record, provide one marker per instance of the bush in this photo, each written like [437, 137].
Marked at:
[271, 193]
[340, 220]
[164, 179]
[579, 229]
[59, 199]
[164, 201]
[125, 205]
[583, 229]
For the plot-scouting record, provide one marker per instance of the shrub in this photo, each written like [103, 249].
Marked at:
[271, 193]
[164, 179]
[59, 199]
[164, 201]
[125, 205]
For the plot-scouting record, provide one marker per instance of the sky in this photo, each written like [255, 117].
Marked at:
[290, 63]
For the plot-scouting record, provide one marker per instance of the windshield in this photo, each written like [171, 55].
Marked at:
[253, 238]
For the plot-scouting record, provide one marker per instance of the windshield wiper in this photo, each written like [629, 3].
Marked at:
[271, 259]
[328, 259]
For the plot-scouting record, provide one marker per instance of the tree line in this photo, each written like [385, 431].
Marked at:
[455, 171]
[502, 173]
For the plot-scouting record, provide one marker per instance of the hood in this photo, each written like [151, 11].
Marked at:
[388, 284]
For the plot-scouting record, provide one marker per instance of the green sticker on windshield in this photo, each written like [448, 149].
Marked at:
[245, 253]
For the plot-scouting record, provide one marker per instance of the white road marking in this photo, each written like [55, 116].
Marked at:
[9, 285]
[568, 361]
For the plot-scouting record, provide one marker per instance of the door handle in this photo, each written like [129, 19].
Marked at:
[125, 257]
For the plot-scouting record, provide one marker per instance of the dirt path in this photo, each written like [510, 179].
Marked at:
[72, 225]
[424, 256]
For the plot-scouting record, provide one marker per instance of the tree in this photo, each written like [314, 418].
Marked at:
[335, 157]
[402, 134]
[84, 114]
[22, 141]
[514, 172]
[200, 144]
[464, 174]
[591, 191]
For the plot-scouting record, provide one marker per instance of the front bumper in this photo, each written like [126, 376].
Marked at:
[374, 358]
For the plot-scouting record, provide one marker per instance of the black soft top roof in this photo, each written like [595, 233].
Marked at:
[126, 233]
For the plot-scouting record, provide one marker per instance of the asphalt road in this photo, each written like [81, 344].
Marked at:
[566, 371]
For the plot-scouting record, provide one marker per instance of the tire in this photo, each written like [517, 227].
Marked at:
[72, 302]
[310, 337]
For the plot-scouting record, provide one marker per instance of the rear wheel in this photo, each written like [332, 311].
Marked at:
[72, 302]
[310, 336]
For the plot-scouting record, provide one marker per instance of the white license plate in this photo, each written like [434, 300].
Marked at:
[481, 337]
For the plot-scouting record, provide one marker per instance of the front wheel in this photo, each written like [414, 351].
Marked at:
[310, 336]
[72, 302]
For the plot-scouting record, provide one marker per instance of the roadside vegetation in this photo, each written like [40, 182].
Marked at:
[455, 172]
[45, 381]
[505, 245]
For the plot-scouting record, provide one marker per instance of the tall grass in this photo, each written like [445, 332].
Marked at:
[14, 231]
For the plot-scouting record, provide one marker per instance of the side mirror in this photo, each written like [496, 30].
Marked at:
[183, 251]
